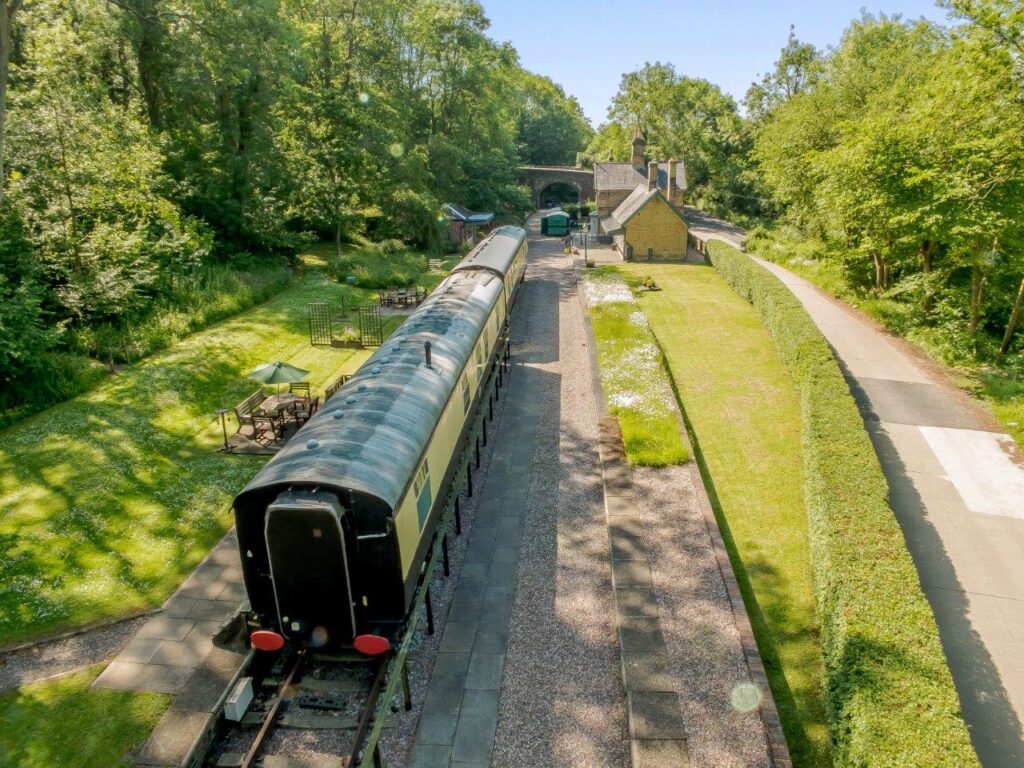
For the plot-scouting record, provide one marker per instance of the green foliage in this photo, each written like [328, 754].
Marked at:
[68, 722]
[150, 140]
[899, 152]
[689, 119]
[632, 374]
[551, 127]
[890, 697]
[380, 265]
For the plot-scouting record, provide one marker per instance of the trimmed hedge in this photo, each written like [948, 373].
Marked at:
[889, 695]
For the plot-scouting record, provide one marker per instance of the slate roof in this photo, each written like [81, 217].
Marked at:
[632, 205]
[458, 213]
[627, 176]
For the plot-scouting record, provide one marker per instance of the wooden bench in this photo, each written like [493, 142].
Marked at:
[244, 410]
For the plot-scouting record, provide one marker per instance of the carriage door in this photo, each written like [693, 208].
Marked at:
[306, 544]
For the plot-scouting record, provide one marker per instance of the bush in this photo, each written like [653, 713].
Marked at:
[889, 694]
[380, 265]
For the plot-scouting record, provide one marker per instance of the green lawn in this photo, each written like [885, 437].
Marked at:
[634, 381]
[107, 501]
[744, 412]
[63, 722]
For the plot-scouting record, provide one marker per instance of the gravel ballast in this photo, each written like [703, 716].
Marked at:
[66, 654]
[562, 700]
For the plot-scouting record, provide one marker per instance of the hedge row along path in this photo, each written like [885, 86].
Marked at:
[889, 695]
[957, 489]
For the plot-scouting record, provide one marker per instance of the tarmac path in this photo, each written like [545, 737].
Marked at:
[956, 484]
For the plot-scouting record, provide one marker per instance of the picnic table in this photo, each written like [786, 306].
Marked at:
[276, 404]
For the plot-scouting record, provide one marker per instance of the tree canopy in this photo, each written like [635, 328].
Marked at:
[142, 140]
[901, 147]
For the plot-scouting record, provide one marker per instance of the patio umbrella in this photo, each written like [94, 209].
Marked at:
[278, 373]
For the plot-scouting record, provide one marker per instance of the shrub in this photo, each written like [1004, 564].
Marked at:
[889, 695]
[380, 265]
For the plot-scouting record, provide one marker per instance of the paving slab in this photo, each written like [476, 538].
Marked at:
[459, 714]
[658, 753]
[174, 739]
[655, 715]
[169, 647]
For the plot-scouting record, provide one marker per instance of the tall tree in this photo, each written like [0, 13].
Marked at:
[8, 10]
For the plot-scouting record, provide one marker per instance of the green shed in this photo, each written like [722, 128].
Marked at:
[555, 223]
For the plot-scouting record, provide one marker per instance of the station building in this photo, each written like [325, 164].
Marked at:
[640, 205]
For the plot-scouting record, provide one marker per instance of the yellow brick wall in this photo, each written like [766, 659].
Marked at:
[656, 226]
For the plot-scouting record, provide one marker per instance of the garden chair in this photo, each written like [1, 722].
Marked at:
[300, 388]
[304, 410]
[263, 425]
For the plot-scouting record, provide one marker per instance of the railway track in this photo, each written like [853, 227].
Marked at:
[349, 697]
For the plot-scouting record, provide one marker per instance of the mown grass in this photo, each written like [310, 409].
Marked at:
[634, 381]
[108, 500]
[744, 412]
[890, 699]
[64, 722]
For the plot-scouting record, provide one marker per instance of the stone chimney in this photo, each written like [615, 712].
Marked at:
[652, 175]
[670, 188]
[639, 147]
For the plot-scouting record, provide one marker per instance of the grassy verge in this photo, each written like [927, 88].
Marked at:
[744, 413]
[108, 500]
[889, 694]
[634, 381]
[64, 722]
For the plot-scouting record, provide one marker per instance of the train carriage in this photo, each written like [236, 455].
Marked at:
[334, 530]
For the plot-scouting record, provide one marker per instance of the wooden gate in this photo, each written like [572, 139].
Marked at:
[321, 333]
[371, 328]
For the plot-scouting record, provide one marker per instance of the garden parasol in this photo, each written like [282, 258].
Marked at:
[278, 373]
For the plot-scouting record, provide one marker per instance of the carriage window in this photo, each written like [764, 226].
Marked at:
[421, 487]
[465, 394]
[479, 356]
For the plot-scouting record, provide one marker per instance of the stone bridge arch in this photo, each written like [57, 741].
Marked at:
[540, 177]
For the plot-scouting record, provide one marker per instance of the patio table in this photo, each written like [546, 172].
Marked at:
[276, 404]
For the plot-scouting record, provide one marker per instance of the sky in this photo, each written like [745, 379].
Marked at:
[586, 47]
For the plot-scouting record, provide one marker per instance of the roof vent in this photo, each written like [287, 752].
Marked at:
[362, 387]
[339, 414]
[426, 353]
[311, 444]
[350, 400]
[375, 370]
